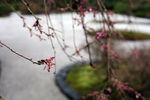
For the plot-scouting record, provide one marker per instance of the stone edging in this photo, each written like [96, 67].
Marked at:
[63, 85]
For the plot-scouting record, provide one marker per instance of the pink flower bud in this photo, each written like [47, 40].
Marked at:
[102, 47]
[95, 93]
[90, 9]
[138, 95]
[1, 46]
[31, 35]
[44, 68]
[48, 68]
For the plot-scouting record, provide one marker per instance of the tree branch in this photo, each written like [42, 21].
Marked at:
[30, 59]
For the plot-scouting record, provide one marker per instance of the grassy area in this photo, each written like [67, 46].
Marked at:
[131, 35]
[85, 79]
[127, 35]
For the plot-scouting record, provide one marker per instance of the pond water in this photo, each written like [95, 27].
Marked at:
[22, 80]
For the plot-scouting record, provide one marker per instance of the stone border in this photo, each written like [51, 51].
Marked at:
[63, 85]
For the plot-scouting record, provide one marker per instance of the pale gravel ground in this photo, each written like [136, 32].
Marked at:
[22, 80]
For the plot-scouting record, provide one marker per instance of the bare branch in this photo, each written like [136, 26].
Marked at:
[30, 59]
[27, 6]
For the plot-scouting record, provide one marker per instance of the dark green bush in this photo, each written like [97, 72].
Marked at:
[4, 10]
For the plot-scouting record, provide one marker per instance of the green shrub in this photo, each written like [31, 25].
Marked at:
[4, 10]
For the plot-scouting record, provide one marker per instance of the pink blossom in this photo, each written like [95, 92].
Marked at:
[102, 47]
[114, 54]
[38, 25]
[52, 64]
[47, 34]
[44, 68]
[1, 46]
[121, 86]
[98, 35]
[48, 68]
[109, 89]
[31, 35]
[50, 59]
[90, 9]
[95, 93]
[138, 95]
[24, 23]
[48, 62]
[104, 35]
[105, 47]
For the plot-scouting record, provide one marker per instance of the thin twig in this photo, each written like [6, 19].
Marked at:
[27, 6]
[52, 44]
[86, 38]
[70, 57]
[30, 59]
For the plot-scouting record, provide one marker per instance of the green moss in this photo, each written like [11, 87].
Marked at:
[131, 35]
[127, 35]
[85, 79]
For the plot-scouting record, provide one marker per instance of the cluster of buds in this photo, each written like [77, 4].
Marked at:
[38, 25]
[100, 35]
[125, 86]
[89, 10]
[121, 86]
[104, 97]
[114, 55]
[105, 47]
[138, 95]
[93, 96]
[98, 95]
[48, 62]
